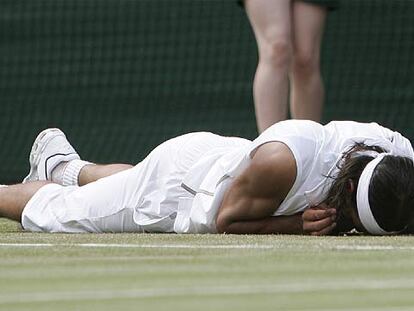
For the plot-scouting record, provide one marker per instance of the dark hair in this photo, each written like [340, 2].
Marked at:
[391, 191]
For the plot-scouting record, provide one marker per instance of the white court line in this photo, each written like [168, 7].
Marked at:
[213, 290]
[378, 308]
[387, 308]
[191, 246]
[372, 247]
[104, 245]
[218, 246]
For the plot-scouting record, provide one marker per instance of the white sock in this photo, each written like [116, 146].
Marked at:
[67, 173]
[57, 172]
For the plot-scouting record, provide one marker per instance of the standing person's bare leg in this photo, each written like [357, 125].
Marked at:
[307, 91]
[271, 22]
[13, 199]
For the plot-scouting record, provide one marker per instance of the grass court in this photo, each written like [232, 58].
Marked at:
[203, 272]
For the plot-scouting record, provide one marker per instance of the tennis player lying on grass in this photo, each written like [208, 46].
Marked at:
[344, 175]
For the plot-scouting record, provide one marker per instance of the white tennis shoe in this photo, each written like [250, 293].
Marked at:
[49, 150]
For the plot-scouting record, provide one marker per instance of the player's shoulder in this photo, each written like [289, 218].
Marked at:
[274, 164]
[291, 132]
[296, 126]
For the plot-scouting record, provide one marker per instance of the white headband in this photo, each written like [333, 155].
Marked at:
[364, 210]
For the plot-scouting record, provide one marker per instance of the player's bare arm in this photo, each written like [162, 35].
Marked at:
[256, 194]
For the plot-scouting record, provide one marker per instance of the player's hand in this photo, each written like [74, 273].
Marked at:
[319, 220]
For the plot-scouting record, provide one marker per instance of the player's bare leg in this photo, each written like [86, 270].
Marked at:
[92, 172]
[14, 198]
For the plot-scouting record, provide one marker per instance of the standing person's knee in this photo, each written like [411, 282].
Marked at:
[305, 62]
[277, 53]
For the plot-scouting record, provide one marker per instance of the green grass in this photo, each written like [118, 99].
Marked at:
[203, 272]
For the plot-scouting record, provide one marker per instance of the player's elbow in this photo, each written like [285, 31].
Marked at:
[222, 224]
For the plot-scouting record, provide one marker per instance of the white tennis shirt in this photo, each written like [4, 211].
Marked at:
[317, 150]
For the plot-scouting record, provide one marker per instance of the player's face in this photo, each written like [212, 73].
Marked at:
[350, 211]
[352, 214]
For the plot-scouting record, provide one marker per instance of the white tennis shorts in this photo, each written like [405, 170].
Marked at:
[148, 192]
